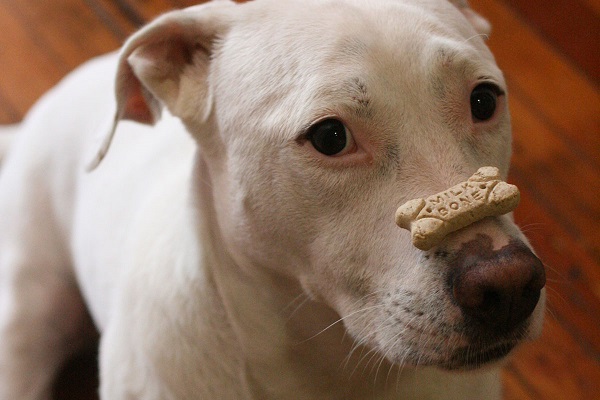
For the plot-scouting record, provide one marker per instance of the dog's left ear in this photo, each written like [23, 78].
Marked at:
[166, 63]
[481, 25]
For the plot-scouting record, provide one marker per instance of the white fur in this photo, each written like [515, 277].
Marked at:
[7, 135]
[217, 263]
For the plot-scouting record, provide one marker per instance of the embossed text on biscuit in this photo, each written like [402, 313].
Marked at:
[484, 194]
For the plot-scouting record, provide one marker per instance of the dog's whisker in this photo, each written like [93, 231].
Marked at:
[361, 360]
[391, 347]
[373, 357]
[393, 339]
[400, 365]
[383, 358]
[338, 321]
[400, 369]
[556, 295]
[298, 307]
[379, 364]
[389, 374]
[527, 224]
[402, 359]
[375, 351]
[551, 313]
[382, 327]
[533, 226]
[424, 346]
[294, 301]
[348, 358]
[362, 354]
[363, 299]
[360, 343]
[557, 272]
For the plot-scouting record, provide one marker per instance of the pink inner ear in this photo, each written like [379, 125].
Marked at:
[136, 107]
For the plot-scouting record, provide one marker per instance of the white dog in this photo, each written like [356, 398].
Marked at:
[241, 243]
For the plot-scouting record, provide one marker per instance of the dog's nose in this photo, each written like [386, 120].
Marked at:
[497, 288]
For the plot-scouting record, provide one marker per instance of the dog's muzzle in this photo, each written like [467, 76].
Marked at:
[496, 289]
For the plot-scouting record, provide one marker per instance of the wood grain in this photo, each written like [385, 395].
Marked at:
[549, 54]
[569, 25]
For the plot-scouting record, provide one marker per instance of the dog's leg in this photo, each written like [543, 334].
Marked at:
[42, 316]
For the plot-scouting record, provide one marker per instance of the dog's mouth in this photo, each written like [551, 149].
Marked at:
[477, 356]
[470, 355]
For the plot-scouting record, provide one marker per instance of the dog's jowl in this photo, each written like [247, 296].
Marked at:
[225, 215]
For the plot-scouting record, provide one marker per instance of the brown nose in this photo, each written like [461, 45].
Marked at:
[497, 288]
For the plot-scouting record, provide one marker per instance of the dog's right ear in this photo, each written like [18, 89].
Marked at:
[166, 63]
[481, 25]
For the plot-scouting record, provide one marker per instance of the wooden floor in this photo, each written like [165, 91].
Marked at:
[550, 52]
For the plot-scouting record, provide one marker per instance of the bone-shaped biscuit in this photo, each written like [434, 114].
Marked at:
[482, 195]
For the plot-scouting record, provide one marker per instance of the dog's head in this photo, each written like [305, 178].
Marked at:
[317, 120]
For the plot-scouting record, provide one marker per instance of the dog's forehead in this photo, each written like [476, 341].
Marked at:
[316, 33]
[326, 17]
[294, 57]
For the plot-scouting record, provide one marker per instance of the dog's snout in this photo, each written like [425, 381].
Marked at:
[499, 289]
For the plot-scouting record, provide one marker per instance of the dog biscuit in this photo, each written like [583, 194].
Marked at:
[484, 194]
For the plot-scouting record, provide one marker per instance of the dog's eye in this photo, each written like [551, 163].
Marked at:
[330, 137]
[483, 101]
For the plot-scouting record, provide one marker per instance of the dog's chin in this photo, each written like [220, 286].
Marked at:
[475, 357]
[467, 358]
[481, 351]
[489, 349]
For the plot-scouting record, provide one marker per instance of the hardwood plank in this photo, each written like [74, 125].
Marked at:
[79, 36]
[542, 154]
[555, 367]
[573, 282]
[573, 273]
[5, 118]
[516, 387]
[8, 113]
[537, 146]
[149, 9]
[129, 11]
[573, 317]
[112, 17]
[570, 25]
[28, 68]
[558, 92]
[563, 199]
[594, 5]
[569, 242]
